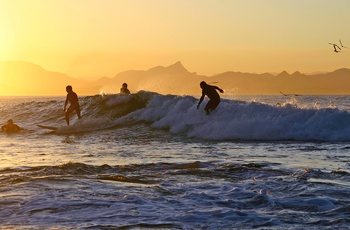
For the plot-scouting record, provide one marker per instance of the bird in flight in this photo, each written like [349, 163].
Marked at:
[335, 46]
[289, 94]
[341, 44]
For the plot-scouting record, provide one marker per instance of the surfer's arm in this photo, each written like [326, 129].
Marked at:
[65, 104]
[200, 100]
[221, 91]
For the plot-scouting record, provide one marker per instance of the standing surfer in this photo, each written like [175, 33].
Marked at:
[214, 97]
[72, 98]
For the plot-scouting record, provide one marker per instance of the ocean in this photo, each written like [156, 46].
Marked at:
[151, 161]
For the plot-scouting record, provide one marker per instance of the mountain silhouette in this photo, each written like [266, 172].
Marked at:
[296, 74]
[171, 79]
[24, 78]
[176, 69]
[283, 74]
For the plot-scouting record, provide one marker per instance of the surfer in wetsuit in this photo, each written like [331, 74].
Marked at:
[72, 98]
[124, 89]
[214, 97]
[10, 127]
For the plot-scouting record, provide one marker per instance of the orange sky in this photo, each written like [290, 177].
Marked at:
[93, 38]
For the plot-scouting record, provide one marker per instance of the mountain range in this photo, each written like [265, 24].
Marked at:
[27, 79]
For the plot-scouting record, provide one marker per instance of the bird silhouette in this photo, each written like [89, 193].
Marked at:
[335, 46]
[293, 94]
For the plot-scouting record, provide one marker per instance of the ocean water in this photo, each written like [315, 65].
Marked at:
[151, 161]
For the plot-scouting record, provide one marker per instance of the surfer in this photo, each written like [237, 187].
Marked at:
[72, 98]
[214, 97]
[124, 89]
[10, 127]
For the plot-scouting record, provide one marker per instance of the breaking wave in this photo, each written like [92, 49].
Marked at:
[232, 120]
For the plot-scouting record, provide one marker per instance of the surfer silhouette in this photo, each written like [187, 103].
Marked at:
[124, 89]
[10, 127]
[72, 98]
[214, 97]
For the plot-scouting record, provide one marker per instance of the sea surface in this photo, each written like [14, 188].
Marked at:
[151, 161]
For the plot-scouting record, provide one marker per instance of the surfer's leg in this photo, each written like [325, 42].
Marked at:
[68, 112]
[207, 107]
[214, 104]
[210, 106]
[77, 109]
[67, 117]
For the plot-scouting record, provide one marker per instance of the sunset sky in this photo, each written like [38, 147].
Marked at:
[94, 38]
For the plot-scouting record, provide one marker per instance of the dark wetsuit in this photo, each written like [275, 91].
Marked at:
[10, 128]
[74, 105]
[124, 90]
[214, 97]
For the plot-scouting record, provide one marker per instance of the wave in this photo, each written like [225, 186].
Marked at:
[187, 195]
[153, 173]
[232, 120]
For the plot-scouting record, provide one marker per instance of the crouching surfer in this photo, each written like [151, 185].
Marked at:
[72, 98]
[124, 89]
[214, 97]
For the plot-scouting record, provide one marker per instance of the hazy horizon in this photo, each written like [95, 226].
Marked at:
[25, 79]
[93, 78]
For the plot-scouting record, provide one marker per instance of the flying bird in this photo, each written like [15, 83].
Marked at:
[341, 44]
[335, 46]
[290, 94]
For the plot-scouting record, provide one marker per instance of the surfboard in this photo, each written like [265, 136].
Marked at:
[48, 127]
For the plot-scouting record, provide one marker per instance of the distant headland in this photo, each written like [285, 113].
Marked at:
[27, 79]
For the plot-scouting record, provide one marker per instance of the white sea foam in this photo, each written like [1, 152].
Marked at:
[233, 119]
[237, 120]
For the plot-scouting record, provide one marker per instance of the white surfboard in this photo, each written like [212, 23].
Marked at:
[48, 127]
